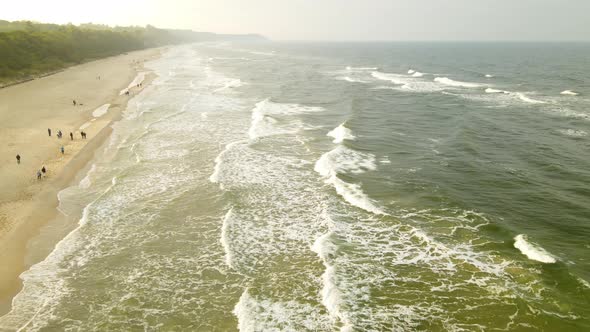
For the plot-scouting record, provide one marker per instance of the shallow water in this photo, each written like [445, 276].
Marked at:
[352, 187]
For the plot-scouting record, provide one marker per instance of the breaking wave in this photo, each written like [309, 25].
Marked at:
[450, 82]
[569, 93]
[340, 134]
[531, 250]
[266, 115]
[343, 160]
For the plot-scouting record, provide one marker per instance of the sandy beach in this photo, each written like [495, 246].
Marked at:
[27, 110]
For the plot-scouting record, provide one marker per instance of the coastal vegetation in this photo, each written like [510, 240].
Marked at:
[29, 49]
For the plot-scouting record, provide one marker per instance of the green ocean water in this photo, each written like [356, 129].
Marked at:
[333, 186]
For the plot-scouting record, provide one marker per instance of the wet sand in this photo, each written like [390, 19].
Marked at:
[27, 110]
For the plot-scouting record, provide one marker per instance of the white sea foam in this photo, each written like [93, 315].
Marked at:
[261, 314]
[43, 284]
[450, 82]
[351, 79]
[408, 83]
[584, 282]
[527, 99]
[571, 113]
[394, 78]
[343, 160]
[532, 251]
[411, 71]
[573, 132]
[265, 118]
[102, 110]
[215, 177]
[331, 295]
[569, 93]
[340, 134]
[491, 90]
[353, 194]
[489, 76]
[417, 74]
[361, 68]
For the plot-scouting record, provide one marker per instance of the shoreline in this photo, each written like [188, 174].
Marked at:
[32, 204]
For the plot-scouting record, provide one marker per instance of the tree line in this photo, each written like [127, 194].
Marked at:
[29, 49]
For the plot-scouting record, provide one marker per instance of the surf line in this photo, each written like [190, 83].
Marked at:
[329, 166]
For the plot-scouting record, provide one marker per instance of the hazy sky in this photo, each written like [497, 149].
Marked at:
[330, 19]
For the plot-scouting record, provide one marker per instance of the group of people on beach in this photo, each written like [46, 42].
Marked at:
[40, 172]
[43, 171]
[60, 134]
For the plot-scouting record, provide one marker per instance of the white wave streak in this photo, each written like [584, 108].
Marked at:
[260, 314]
[343, 160]
[415, 73]
[393, 78]
[527, 99]
[34, 299]
[361, 68]
[350, 79]
[572, 114]
[266, 113]
[450, 82]
[573, 132]
[412, 83]
[340, 134]
[490, 90]
[217, 170]
[331, 295]
[569, 93]
[531, 250]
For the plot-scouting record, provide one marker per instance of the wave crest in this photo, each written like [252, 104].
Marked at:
[340, 134]
[450, 82]
[531, 250]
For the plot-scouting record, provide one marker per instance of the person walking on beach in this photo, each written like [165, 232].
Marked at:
[62, 149]
[18, 159]
[71, 136]
[49, 131]
[74, 102]
[38, 175]
[59, 134]
[43, 170]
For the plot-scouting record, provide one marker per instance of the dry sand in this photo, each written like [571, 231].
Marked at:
[27, 110]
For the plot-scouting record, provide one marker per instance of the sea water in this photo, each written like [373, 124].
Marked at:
[333, 187]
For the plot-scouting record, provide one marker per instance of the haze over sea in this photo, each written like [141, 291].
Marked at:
[334, 187]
